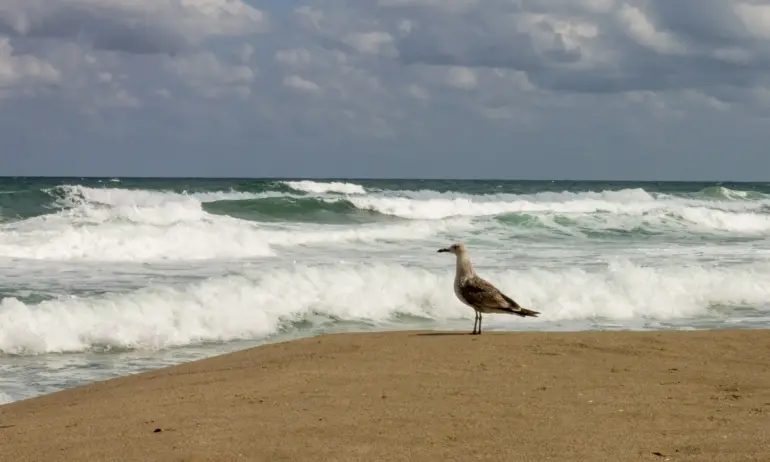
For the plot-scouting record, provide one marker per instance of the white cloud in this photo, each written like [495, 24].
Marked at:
[295, 57]
[23, 71]
[296, 82]
[641, 29]
[369, 42]
[756, 17]
[462, 78]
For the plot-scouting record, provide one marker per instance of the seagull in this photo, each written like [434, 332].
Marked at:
[479, 294]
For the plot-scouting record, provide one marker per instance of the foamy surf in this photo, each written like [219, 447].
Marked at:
[317, 187]
[130, 225]
[259, 304]
[626, 209]
[77, 195]
[207, 239]
[5, 398]
[634, 209]
[152, 272]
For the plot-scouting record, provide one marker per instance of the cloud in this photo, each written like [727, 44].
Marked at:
[206, 74]
[587, 85]
[22, 74]
[370, 42]
[461, 77]
[132, 26]
[597, 45]
[296, 82]
[643, 32]
[297, 57]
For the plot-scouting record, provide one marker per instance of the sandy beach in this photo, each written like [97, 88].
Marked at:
[423, 396]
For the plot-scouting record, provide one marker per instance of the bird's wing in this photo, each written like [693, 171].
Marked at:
[483, 294]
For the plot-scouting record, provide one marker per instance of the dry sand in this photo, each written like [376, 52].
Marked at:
[423, 396]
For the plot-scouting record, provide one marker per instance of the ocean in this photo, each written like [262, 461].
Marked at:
[108, 277]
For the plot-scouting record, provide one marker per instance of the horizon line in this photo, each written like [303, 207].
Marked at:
[323, 178]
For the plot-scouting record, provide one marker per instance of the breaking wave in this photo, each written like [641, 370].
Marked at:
[258, 305]
[322, 188]
[110, 224]
[121, 224]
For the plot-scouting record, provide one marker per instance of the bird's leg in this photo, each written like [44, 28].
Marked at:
[479, 323]
[475, 321]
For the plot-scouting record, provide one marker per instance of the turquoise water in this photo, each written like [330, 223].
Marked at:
[106, 277]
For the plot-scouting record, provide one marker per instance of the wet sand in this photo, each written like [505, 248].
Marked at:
[423, 396]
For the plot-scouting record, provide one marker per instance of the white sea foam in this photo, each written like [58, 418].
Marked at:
[109, 224]
[624, 209]
[212, 238]
[75, 195]
[161, 208]
[738, 222]
[5, 398]
[572, 203]
[317, 187]
[721, 197]
[258, 305]
[622, 195]
[621, 209]
[113, 224]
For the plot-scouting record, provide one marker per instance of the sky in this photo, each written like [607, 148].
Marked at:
[517, 89]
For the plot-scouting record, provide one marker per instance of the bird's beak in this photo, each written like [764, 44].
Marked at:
[443, 250]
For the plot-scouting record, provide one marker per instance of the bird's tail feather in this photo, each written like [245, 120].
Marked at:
[519, 310]
[524, 312]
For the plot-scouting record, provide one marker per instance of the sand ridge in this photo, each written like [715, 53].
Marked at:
[425, 396]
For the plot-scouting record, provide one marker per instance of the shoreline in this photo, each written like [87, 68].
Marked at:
[426, 395]
[290, 338]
